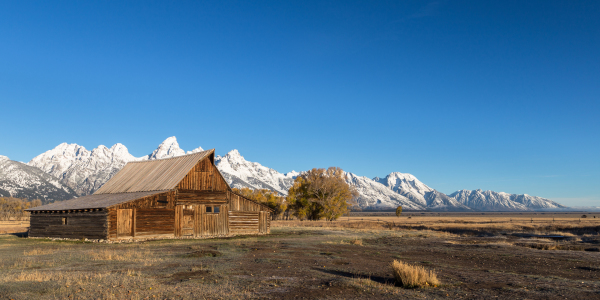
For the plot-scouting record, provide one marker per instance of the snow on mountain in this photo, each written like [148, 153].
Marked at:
[374, 195]
[22, 181]
[406, 185]
[169, 148]
[535, 203]
[499, 201]
[199, 149]
[239, 173]
[80, 169]
[410, 187]
[438, 201]
[85, 171]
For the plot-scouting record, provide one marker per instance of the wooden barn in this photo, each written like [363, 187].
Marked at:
[184, 196]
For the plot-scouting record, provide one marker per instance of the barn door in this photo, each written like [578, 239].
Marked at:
[212, 220]
[185, 220]
[187, 225]
[124, 222]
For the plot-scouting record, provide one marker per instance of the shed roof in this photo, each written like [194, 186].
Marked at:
[95, 201]
[152, 175]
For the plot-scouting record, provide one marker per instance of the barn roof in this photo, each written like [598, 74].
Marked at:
[94, 201]
[152, 175]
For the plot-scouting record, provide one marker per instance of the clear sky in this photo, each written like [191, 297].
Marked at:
[499, 95]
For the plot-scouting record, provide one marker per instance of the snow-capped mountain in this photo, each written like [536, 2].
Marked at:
[406, 185]
[499, 201]
[239, 173]
[22, 181]
[169, 148]
[80, 169]
[85, 171]
[535, 203]
[410, 187]
[375, 195]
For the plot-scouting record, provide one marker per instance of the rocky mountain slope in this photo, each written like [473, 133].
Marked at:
[410, 187]
[85, 171]
[241, 173]
[374, 195]
[22, 181]
[498, 201]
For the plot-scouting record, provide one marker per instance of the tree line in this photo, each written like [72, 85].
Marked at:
[14, 208]
[316, 194]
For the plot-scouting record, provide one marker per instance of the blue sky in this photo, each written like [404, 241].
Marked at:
[499, 95]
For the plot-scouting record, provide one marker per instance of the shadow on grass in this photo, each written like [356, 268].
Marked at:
[20, 234]
[379, 279]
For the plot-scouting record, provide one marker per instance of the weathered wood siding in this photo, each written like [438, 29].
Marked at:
[249, 222]
[91, 225]
[154, 221]
[189, 197]
[204, 177]
[243, 222]
[264, 222]
[164, 200]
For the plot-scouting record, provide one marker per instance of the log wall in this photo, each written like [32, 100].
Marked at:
[91, 225]
[249, 222]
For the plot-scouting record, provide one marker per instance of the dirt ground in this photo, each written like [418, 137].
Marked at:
[302, 262]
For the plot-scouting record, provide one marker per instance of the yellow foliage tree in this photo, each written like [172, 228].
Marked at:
[321, 193]
[266, 197]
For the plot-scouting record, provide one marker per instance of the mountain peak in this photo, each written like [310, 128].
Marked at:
[2, 157]
[402, 175]
[199, 149]
[168, 148]
[234, 152]
[406, 185]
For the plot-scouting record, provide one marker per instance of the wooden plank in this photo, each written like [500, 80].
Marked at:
[124, 223]
[178, 220]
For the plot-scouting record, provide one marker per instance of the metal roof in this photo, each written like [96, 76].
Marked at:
[94, 201]
[152, 175]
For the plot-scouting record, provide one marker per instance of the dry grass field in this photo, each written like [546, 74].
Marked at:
[13, 226]
[474, 257]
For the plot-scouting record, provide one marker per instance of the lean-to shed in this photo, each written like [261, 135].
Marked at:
[183, 196]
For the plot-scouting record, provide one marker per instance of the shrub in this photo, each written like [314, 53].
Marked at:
[356, 242]
[409, 276]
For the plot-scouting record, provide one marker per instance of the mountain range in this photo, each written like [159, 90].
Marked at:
[70, 170]
[22, 181]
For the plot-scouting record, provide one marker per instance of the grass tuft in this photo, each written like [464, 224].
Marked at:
[356, 242]
[409, 276]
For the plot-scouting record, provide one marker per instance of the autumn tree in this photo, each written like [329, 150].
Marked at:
[321, 193]
[266, 197]
[14, 208]
[398, 211]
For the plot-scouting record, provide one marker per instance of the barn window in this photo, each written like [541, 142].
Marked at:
[64, 221]
[213, 209]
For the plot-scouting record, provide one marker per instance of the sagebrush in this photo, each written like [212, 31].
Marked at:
[413, 276]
